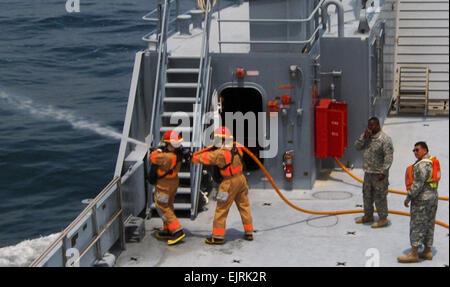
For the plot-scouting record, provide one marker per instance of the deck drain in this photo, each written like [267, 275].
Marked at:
[236, 261]
[341, 263]
[267, 204]
[351, 232]
[332, 195]
[322, 221]
[359, 205]
[133, 259]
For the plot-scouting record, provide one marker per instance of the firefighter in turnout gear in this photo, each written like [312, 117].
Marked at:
[167, 182]
[233, 188]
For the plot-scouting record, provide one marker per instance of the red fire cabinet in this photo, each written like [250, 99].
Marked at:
[331, 128]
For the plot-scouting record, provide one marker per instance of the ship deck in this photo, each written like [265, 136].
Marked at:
[286, 237]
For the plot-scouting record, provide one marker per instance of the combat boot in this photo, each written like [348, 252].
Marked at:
[176, 237]
[411, 257]
[364, 219]
[426, 254]
[383, 222]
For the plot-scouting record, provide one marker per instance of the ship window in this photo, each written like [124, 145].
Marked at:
[244, 100]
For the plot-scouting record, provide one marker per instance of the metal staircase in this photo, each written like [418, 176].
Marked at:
[422, 41]
[412, 89]
[179, 103]
[180, 96]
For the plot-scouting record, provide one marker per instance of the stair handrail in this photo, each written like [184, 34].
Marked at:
[159, 80]
[147, 17]
[427, 90]
[201, 82]
[202, 90]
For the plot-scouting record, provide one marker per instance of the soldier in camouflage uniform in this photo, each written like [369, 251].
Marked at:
[424, 201]
[377, 159]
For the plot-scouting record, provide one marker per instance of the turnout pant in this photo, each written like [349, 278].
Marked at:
[234, 189]
[164, 198]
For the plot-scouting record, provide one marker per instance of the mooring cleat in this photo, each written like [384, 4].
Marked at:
[214, 241]
[176, 237]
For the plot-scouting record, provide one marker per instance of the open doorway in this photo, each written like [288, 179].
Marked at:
[244, 100]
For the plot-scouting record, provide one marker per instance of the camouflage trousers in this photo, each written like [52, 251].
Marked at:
[421, 227]
[375, 191]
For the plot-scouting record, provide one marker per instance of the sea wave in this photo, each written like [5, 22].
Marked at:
[38, 110]
[24, 253]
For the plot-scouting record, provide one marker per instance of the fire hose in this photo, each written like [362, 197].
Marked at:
[298, 208]
[390, 190]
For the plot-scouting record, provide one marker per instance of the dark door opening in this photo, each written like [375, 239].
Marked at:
[244, 100]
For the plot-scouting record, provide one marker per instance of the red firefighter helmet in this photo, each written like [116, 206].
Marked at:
[223, 132]
[172, 137]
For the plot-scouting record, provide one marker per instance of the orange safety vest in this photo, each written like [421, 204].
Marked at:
[435, 175]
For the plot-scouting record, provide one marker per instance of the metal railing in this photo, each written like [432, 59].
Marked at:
[310, 18]
[89, 210]
[160, 70]
[307, 41]
[148, 17]
[202, 90]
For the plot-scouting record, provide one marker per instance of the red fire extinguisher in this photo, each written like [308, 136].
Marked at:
[288, 165]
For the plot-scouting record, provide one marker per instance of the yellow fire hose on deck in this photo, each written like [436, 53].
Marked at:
[361, 181]
[338, 212]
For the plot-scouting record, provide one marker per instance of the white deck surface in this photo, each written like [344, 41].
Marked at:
[286, 237]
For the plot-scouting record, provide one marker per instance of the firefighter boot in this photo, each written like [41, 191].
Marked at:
[164, 234]
[426, 254]
[176, 237]
[411, 257]
[214, 241]
[248, 237]
[364, 219]
[383, 222]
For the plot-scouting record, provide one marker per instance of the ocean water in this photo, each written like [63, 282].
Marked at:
[64, 82]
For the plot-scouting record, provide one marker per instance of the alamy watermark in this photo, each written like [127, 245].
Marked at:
[73, 6]
[251, 130]
[73, 257]
[374, 257]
